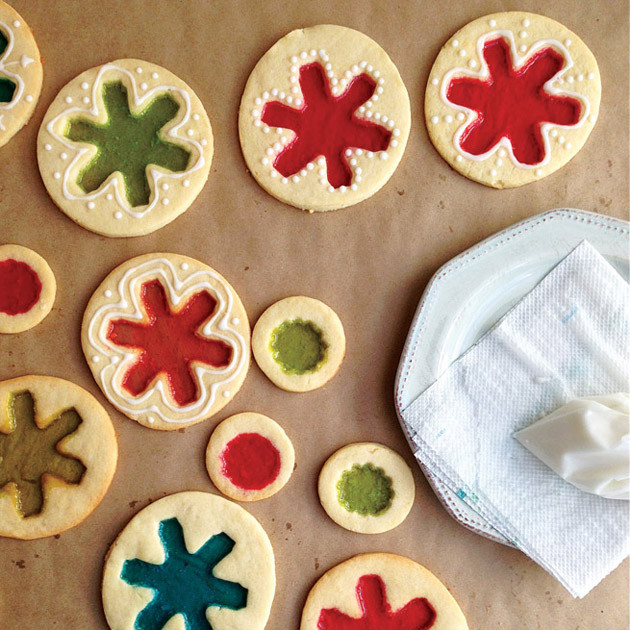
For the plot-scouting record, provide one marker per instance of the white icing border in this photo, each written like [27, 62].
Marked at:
[518, 62]
[121, 359]
[116, 182]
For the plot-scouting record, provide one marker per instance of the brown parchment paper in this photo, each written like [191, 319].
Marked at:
[370, 262]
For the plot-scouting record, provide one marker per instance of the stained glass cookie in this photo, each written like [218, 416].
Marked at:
[384, 591]
[190, 560]
[511, 98]
[27, 288]
[58, 455]
[20, 72]
[167, 339]
[249, 457]
[299, 343]
[125, 148]
[366, 488]
[324, 118]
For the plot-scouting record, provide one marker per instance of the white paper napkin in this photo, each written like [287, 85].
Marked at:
[568, 338]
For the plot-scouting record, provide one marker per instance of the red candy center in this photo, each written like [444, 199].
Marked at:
[20, 287]
[251, 461]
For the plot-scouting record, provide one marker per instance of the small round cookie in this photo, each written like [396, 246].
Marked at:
[511, 98]
[366, 488]
[21, 72]
[299, 343]
[167, 339]
[190, 560]
[58, 455]
[384, 591]
[27, 288]
[125, 148]
[324, 118]
[249, 457]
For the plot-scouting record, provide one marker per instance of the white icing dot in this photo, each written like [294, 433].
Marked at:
[561, 139]
[47, 147]
[522, 47]
[190, 132]
[525, 22]
[396, 132]
[96, 358]
[64, 156]
[277, 146]
[184, 266]
[109, 196]
[359, 170]
[236, 321]
[375, 97]
[492, 23]
[154, 75]
[459, 158]
[580, 77]
[16, 23]
[523, 34]
[294, 59]
[266, 129]
[293, 79]
[226, 394]
[499, 162]
[394, 143]
[353, 162]
[570, 79]
[592, 118]
[86, 100]
[150, 419]
[361, 109]
[91, 205]
[381, 81]
[279, 130]
[203, 142]
[363, 64]
[289, 99]
[57, 175]
[143, 86]
[554, 133]
[255, 112]
[348, 152]
[312, 53]
[284, 139]
[328, 67]
[377, 73]
[472, 63]
[370, 154]
[274, 92]
[68, 99]
[342, 189]
[257, 123]
[435, 81]
[568, 145]
[590, 75]
[358, 178]
[355, 69]
[334, 81]
[493, 173]
[384, 119]
[359, 151]
[455, 43]
[331, 189]
[322, 172]
[502, 152]
[108, 293]
[265, 95]
[295, 179]
[139, 70]
[369, 68]
[539, 172]
[354, 186]
[321, 161]
[322, 181]
[258, 100]
[567, 42]
[28, 98]
[186, 183]
[298, 102]
[118, 215]
[165, 186]
[274, 173]
[384, 155]
[285, 180]
[462, 53]
[269, 151]
[303, 55]
[310, 166]
[303, 173]
[265, 161]
[390, 124]
[368, 114]
[460, 116]
[295, 89]
[448, 118]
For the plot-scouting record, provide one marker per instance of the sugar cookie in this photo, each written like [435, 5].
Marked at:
[384, 591]
[167, 340]
[249, 457]
[20, 72]
[125, 148]
[324, 118]
[511, 98]
[299, 343]
[190, 560]
[58, 455]
[366, 488]
[27, 288]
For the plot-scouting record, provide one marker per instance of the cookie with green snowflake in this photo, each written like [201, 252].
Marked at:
[125, 148]
[20, 72]
[366, 488]
[58, 454]
[190, 560]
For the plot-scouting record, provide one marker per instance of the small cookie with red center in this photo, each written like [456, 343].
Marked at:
[27, 288]
[384, 591]
[21, 72]
[299, 343]
[511, 98]
[249, 457]
[324, 118]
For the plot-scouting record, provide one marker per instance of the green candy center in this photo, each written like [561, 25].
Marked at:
[365, 489]
[7, 87]
[298, 346]
[127, 143]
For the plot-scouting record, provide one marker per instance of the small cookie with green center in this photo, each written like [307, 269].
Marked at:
[58, 455]
[21, 72]
[27, 289]
[366, 488]
[190, 560]
[125, 148]
[299, 343]
[249, 457]
[511, 98]
[381, 590]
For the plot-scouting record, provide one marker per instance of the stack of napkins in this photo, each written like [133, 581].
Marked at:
[568, 338]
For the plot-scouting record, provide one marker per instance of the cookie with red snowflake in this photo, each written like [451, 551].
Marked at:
[21, 72]
[27, 288]
[167, 339]
[511, 98]
[324, 118]
[384, 591]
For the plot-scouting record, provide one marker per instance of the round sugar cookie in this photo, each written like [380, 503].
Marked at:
[125, 148]
[511, 98]
[21, 72]
[381, 590]
[249, 457]
[58, 454]
[324, 118]
[167, 339]
[27, 288]
[299, 343]
[190, 560]
[366, 488]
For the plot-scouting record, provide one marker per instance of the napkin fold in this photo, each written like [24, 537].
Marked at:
[568, 338]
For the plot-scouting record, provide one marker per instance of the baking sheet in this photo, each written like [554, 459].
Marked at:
[369, 262]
